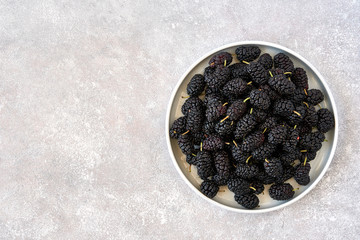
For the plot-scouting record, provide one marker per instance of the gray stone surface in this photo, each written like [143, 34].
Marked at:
[84, 87]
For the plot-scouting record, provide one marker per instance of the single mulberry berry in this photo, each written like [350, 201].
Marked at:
[194, 121]
[326, 120]
[283, 62]
[273, 167]
[210, 97]
[245, 171]
[185, 143]
[264, 151]
[178, 127]
[277, 135]
[283, 107]
[224, 128]
[314, 96]
[209, 188]
[281, 84]
[312, 141]
[302, 174]
[239, 186]
[257, 73]
[213, 143]
[266, 61]
[218, 77]
[222, 164]
[196, 85]
[273, 95]
[234, 88]
[300, 78]
[248, 54]
[292, 140]
[215, 110]
[282, 191]
[236, 110]
[239, 70]
[311, 117]
[192, 103]
[222, 58]
[205, 165]
[239, 155]
[252, 141]
[244, 126]
[259, 99]
[297, 115]
[249, 201]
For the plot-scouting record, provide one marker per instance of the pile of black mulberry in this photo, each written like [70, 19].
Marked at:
[257, 124]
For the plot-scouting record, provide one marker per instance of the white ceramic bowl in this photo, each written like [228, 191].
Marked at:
[226, 199]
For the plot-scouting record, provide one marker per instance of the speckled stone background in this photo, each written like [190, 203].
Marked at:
[84, 87]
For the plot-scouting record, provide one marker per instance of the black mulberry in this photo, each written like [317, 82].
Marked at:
[273, 167]
[283, 62]
[196, 85]
[326, 120]
[266, 61]
[249, 201]
[209, 188]
[247, 54]
[282, 191]
[220, 59]
[259, 99]
[314, 96]
[213, 143]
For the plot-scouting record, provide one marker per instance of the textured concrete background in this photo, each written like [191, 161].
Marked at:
[84, 87]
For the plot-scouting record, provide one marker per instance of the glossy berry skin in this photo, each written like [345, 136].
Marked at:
[220, 59]
[205, 165]
[314, 96]
[282, 191]
[249, 201]
[283, 62]
[326, 120]
[299, 78]
[178, 127]
[247, 53]
[239, 186]
[213, 143]
[273, 167]
[209, 188]
[222, 164]
[259, 99]
[302, 174]
[282, 85]
[196, 85]
[258, 73]
[186, 143]
[266, 61]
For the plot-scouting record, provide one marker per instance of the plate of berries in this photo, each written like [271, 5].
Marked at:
[251, 127]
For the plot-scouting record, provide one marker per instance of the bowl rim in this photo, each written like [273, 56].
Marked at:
[268, 44]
